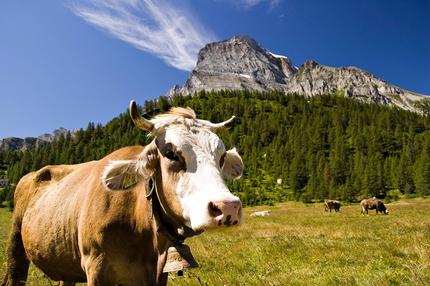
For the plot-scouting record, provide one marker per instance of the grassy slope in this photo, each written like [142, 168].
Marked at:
[303, 245]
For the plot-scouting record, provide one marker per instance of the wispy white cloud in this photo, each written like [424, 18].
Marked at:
[249, 4]
[161, 28]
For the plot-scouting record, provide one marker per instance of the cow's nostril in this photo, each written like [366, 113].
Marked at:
[214, 210]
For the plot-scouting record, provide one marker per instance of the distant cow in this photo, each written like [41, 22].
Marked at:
[262, 213]
[332, 204]
[373, 204]
[112, 221]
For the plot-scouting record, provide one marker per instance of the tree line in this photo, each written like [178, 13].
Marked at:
[293, 147]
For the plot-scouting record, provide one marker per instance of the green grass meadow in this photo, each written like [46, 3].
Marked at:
[304, 245]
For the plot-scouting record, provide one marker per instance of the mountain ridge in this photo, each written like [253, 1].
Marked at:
[243, 63]
[28, 143]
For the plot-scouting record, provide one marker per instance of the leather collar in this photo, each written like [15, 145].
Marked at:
[175, 233]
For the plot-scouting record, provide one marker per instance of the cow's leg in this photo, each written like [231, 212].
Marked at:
[62, 283]
[143, 281]
[100, 273]
[17, 260]
[96, 271]
[163, 280]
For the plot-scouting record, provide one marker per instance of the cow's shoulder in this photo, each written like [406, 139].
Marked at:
[380, 204]
[54, 173]
[46, 176]
[124, 153]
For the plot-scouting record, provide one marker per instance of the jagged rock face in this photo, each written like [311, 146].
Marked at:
[55, 134]
[241, 63]
[238, 63]
[243, 56]
[29, 143]
[313, 78]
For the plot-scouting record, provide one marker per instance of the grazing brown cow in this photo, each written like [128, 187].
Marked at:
[332, 204]
[373, 204]
[111, 222]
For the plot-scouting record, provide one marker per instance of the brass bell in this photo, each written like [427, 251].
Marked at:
[179, 257]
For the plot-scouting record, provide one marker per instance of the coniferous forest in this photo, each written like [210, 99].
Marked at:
[293, 147]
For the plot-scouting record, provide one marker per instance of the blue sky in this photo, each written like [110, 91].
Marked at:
[68, 63]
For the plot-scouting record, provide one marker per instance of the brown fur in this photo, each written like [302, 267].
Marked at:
[332, 204]
[373, 204]
[50, 208]
[64, 228]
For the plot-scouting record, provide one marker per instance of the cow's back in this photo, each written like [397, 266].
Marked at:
[54, 203]
[368, 204]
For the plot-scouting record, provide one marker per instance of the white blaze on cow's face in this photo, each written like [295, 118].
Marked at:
[205, 200]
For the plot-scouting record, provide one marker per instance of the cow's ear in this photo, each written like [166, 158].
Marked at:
[233, 165]
[121, 175]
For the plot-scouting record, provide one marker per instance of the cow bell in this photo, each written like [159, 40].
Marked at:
[179, 257]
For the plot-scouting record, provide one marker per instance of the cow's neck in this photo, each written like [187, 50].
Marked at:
[174, 230]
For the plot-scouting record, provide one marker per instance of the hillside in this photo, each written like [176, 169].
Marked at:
[294, 148]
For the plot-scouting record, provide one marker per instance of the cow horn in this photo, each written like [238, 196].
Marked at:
[138, 119]
[223, 126]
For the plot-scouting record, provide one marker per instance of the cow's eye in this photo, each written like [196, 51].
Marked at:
[222, 160]
[171, 155]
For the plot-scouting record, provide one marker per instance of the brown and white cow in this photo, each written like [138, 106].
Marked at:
[111, 222]
[373, 204]
[332, 204]
[262, 213]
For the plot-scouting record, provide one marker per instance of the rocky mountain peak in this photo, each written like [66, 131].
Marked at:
[244, 56]
[241, 63]
[55, 134]
[28, 143]
[250, 41]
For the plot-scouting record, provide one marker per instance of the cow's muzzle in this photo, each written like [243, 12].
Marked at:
[226, 213]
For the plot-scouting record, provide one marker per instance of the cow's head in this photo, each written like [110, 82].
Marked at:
[188, 161]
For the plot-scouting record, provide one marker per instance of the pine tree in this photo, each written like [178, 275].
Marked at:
[321, 147]
[422, 168]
